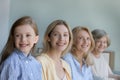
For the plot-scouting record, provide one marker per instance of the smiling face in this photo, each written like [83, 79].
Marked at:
[83, 41]
[101, 44]
[25, 38]
[59, 38]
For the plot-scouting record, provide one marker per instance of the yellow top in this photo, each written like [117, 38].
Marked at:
[48, 68]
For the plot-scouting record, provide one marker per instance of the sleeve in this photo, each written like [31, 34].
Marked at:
[90, 73]
[7, 72]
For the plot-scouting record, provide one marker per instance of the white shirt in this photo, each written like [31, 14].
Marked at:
[101, 68]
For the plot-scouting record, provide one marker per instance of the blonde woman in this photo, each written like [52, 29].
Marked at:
[57, 40]
[79, 58]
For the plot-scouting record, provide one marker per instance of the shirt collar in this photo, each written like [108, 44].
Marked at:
[22, 55]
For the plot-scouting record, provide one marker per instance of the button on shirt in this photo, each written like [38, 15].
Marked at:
[18, 66]
[78, 74]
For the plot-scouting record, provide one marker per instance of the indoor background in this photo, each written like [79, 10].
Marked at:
[102, 14]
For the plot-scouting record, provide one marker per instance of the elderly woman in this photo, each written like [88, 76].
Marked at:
[101, 69]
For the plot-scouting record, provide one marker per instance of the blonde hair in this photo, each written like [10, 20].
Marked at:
[46, 44]
[75, 32]
[10, 45]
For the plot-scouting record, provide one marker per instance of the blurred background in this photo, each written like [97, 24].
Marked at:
[102, 14]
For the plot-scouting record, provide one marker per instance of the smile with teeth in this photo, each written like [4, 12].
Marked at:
[61, 44]
[23, 45]
[84, 46]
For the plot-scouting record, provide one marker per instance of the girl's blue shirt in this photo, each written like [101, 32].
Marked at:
[78, 74]
[18, 66]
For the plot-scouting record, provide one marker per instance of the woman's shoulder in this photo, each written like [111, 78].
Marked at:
[43, 56]
[44, 59]
[67, 56]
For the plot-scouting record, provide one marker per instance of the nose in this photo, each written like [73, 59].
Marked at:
[23, 38]
[61, 37]
[85, 40]
[102, 43]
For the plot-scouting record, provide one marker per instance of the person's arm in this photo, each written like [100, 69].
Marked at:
[112, 75]
[115, 76]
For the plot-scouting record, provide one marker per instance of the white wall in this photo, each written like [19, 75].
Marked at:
[4, 22]
[104, 14]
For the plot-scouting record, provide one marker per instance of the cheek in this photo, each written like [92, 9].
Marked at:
[34, 39]
[68, 40]
[105, 45]
[16, 42]
[97, 45]
[89, 42]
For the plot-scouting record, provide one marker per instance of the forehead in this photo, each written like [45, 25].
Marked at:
[83, 33]
[60, 28]
[103, 38]
[24, 28]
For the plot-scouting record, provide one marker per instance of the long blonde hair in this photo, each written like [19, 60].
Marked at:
[10, 45]
[46, 44]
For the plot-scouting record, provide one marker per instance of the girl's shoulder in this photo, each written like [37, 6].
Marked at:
[12, 58]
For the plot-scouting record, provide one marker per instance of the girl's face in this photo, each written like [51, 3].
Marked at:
[25, 38]
[59, 38]
[83, 41]
[101, 44]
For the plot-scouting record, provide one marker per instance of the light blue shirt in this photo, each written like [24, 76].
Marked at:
[78, 74]
[20, 67]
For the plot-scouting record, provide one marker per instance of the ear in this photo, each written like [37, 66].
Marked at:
[36, 39]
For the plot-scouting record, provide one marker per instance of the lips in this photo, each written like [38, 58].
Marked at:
[61, 43]
[23, 45]
[84, 46]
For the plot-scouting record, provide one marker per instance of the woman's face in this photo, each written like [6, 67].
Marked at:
[83, 41]
[59, 38]
[101, 44]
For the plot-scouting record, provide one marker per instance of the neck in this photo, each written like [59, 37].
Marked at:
[54, 55]
[78, 56]
[96, 54]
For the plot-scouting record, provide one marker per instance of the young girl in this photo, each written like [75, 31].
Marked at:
[57, 40]
[17, 62]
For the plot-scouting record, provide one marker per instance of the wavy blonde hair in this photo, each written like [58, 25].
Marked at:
[86, 56]
[50, 28]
